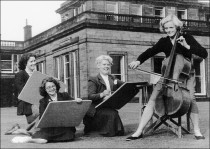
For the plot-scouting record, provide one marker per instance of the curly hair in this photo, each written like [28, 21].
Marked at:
[42, 89]
[100, 58]
[24, 59]
[169, 18]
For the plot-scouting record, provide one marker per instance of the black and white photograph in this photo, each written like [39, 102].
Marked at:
[105, 73]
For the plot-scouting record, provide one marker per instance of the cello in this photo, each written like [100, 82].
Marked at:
[174, 97]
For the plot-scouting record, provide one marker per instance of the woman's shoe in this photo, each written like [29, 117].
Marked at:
[134, 138]
[199, 137]
[11, 130]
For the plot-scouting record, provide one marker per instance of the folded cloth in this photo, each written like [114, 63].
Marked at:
[21, 139]
[11, 130]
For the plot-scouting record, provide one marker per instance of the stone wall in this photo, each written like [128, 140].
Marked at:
[95, 42]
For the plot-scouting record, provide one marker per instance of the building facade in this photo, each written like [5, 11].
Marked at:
[122, 29]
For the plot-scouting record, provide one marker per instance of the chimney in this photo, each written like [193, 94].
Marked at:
[27, 31]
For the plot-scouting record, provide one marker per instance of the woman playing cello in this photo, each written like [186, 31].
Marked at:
[186, 46]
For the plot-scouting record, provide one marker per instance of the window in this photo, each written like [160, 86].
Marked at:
[15, 62]
[118, 67]
[182, 14]
[58, 68]
[66, 70]
[207, 17]
[200, 88]
[156, 68]
[71, 73]
[9, 63]
[41, 67]
[75, 12]
[159, 11]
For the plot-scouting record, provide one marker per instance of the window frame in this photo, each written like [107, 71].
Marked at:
[11, 70]
[73, 78]
[162, 11]
[123, 63]
[203, 78]
[43, 66]
[183, 10]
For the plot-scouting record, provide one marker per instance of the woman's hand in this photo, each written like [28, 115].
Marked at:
[183, 42]
[78, 100]
[106, 97]
[35, 108]
[105, 93]
[134, 64]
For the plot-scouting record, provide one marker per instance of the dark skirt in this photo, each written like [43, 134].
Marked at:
[24, 108]
[106, 121]
[56, 134]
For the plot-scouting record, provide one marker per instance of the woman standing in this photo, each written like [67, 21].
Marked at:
[27, 65]
[186, 46]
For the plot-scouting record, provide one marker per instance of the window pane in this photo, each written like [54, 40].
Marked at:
[67, 70]
[157, 12]
[66, 58]
[6, 57]
[157, 64]
[56, 67]
[181, 14]
[15, 63]
[116, 69]
[198, 85]
[6, 65]
[196, 64]
[118, 76]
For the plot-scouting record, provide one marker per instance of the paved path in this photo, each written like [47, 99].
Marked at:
[162, 138]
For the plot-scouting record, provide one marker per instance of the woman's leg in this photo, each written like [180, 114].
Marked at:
[194, 108]
[148, 111]
[195, 120]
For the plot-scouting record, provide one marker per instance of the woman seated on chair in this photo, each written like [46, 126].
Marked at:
[106, 121]
[49, 90]
[186, 46]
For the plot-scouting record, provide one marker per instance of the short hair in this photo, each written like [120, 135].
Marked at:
[42, 89]
[103, 57]
[169, 18]
[24, 59]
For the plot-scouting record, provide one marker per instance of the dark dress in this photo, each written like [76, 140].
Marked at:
[54, 134]
[106, 121]
[23, 108]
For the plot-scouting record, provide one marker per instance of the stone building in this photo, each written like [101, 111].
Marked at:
[122, 29]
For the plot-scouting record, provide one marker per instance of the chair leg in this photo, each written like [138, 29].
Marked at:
[188, 121]
[179, 127]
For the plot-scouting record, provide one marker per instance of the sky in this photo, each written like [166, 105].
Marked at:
[40, 15]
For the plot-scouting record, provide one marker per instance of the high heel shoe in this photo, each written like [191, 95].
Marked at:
[134, 138]
[199, 137]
